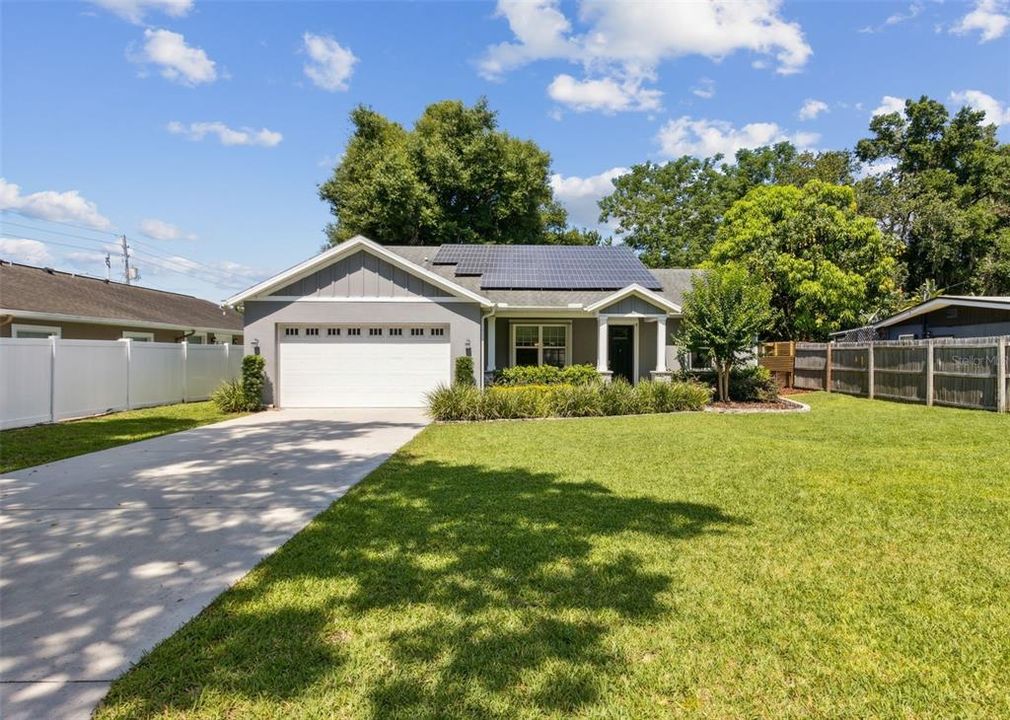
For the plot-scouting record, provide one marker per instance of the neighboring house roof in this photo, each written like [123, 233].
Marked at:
[996, 302]
[43, 293]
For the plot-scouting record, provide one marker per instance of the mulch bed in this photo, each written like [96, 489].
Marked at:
[780, 405]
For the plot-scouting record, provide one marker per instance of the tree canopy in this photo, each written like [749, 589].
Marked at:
[829, 267]
[453, 178]
[671, 211]
[945, 194]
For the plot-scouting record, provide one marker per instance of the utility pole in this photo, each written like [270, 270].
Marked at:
[126, 259]
[108, 267]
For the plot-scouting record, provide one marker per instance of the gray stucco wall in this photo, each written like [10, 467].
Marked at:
[361, 275]
[263, 316]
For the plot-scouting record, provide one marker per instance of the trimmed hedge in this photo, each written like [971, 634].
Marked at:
[461, 402]
[748, 384]
[547, 375]
[464, 371]
[244, 394]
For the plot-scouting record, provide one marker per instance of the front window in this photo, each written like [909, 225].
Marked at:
[540, 345]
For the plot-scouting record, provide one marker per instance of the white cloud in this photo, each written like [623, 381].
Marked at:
[705, 88]
[579, 195]
[914, 10]
[995, 111]
[178, 61]
[705, 138]
[989, 18]
[877, 167]
[135, 10]
[161, 230]
[812, 108]
[605, 94]
[890, 104]
[66, 206]
[331, 64]
[30, 252]
[227, 136]
[625, 42]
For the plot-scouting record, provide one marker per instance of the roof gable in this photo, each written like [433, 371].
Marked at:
[637, 293]
[943, 301]
[358, 243]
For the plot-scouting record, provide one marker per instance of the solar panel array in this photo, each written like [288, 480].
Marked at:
[547, 267]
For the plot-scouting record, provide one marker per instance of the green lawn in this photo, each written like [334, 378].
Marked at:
[852, 562]
[25, 447]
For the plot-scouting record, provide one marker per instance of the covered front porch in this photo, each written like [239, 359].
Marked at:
[629, 337]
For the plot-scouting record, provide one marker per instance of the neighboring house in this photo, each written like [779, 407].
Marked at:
[38, 302]
[946, 316]
[368, 325]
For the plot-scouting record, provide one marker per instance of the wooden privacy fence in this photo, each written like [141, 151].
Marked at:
[968, 372]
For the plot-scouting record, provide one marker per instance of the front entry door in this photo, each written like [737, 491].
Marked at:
[621, 351]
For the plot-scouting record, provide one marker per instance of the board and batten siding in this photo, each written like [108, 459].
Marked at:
[360, 275]
[631, 305]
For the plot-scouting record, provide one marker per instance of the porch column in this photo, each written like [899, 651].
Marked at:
[602, 364]
[661, 344]
[491, 347]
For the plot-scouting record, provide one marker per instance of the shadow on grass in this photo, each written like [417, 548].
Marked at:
[432, 590]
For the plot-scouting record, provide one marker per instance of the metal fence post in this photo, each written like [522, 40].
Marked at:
[929, 373]
[869, 380]
[1001, 373]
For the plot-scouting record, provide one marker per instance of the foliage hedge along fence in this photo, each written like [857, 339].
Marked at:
[547, 375]
[501, 402]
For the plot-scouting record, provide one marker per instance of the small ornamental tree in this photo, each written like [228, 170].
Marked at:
[724, 312]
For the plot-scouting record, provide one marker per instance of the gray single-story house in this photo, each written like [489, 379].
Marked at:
[39, 302]
[364, 324]
[945, 316]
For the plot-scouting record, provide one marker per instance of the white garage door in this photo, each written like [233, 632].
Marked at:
[361, 366]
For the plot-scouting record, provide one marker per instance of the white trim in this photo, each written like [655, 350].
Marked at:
[540, 340]
[533, 313]
[418, 299]
[137, 335]
[633, 322]
[51, 329]
[939, 303]
[642, 292]
[89, 320]
[358, 242]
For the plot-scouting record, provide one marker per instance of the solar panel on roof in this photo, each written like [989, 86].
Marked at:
[548, 267]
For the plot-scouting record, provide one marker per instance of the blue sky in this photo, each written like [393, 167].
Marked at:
[201, 129]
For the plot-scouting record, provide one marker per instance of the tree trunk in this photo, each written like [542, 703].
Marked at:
[723, 383]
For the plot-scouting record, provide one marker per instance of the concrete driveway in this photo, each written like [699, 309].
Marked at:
[104, 555]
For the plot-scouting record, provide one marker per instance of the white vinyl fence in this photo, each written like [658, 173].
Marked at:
[47, 380]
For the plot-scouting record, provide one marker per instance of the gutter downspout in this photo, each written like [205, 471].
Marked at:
[483, 349]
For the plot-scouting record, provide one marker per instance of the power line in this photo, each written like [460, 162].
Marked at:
[79, 227]
[157, 253]
[54, 232]
[20, 236]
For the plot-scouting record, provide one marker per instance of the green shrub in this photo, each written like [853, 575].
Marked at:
[230, 397]
[747, 384]
[664, 397]
[501, 402]
[575, 400]
[464, 371]
[547, 375]
[618, 397]
[455, 402]
[252, 381]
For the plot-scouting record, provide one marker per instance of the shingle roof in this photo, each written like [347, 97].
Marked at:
[674, 282]
[35, 289]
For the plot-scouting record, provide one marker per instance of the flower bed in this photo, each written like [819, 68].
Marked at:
[500, 402]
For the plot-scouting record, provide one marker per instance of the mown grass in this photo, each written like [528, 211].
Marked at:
[851, 562]
[26, 447]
